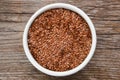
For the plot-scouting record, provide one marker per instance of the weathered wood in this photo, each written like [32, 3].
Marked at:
[102, 27]
[12, 41]
[100, 67]
[105, 64]
[14, 17]
[26, 6]
[12, 27]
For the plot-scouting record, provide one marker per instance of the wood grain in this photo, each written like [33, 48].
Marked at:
[107, 28]
[105, 64]
[17, 66]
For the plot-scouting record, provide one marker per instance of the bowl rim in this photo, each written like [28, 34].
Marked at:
[74, 9]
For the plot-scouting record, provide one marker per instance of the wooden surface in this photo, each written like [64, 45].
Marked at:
[105, 64]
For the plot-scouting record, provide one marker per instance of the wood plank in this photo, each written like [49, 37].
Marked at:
[98, 68]
[25, 6]
[102, 27]
[12, 26]
[94, 11]
[110, 15]
[107, 27]
[108, 41]
[12, 41]
[14, 17]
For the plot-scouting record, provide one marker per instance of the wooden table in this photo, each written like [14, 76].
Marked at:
[105, 64]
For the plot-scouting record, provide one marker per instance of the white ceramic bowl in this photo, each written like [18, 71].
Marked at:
[56, 73]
